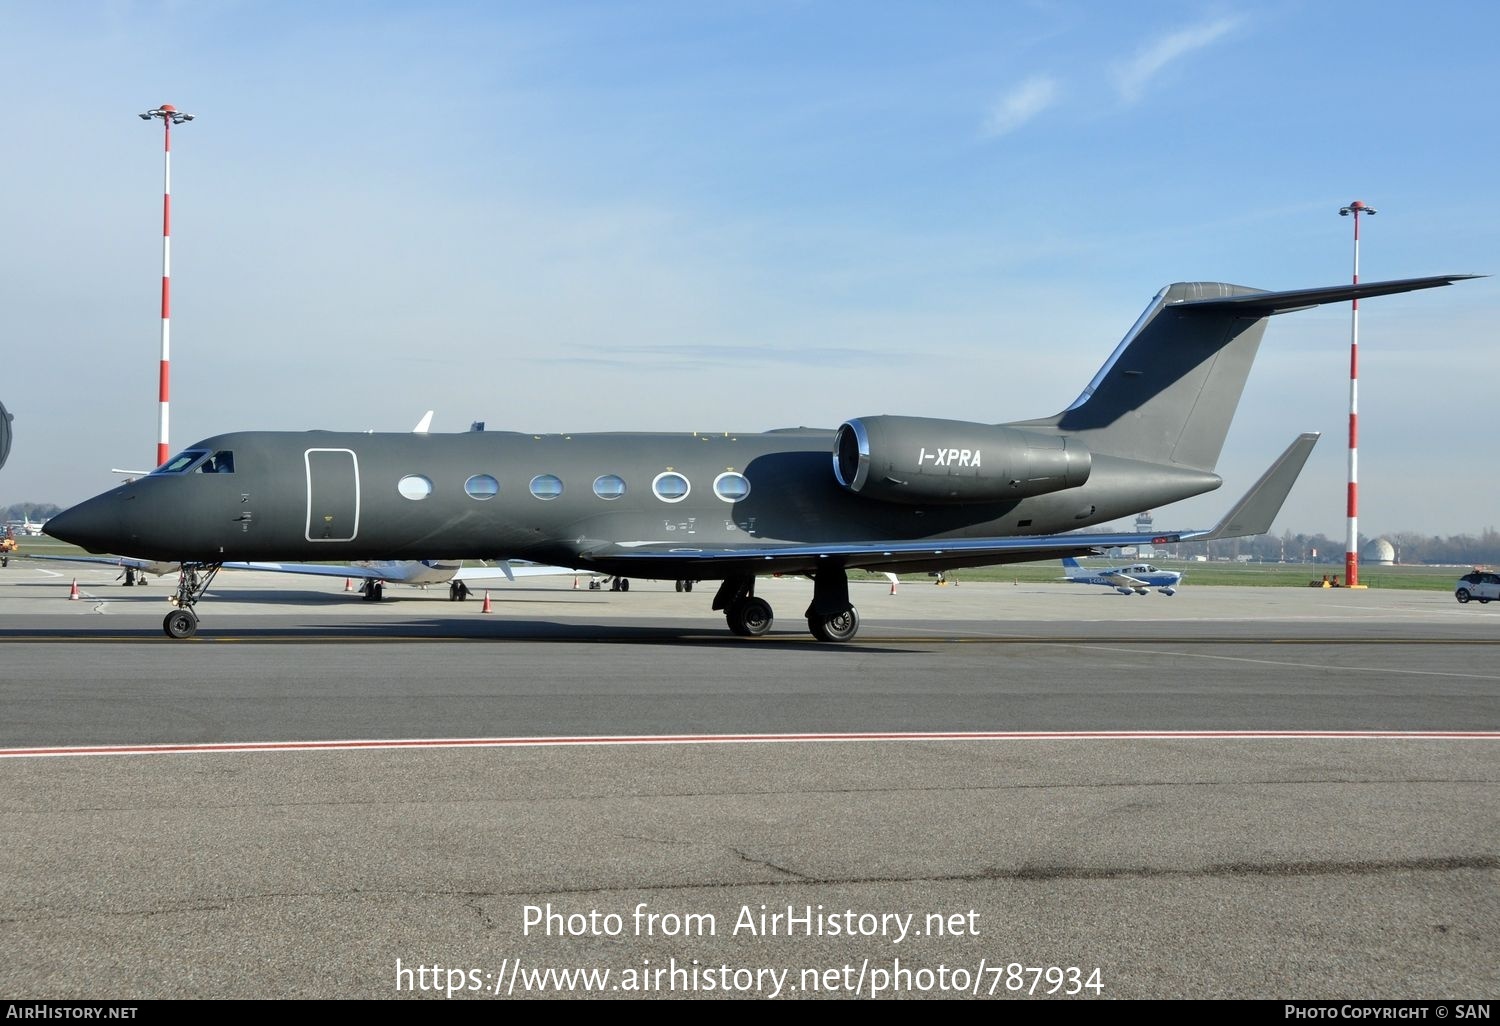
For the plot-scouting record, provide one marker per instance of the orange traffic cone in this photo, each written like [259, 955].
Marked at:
[575, 582]
[73, 595]
[893, 585]
[348, 584]
[486, 607]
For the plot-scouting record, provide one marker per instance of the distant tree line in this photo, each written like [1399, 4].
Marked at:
[34, 511]
[1456, 549]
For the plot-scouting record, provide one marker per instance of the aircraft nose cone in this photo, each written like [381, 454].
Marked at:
[93, 525]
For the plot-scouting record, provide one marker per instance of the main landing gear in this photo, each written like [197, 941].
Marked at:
[192, 582]
[830, 617]
[373, 591]
[615, 583]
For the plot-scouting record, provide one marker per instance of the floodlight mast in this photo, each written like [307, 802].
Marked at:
[169, 116]
[1351, 545]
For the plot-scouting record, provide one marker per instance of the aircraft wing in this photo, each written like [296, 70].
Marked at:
[315, 570]
[1252, 515]
[886, 556]
[159, 568]
[390, 572]
[144, 565]
[394, 571]
[510, 571]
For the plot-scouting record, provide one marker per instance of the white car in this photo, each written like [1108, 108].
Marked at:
[1480, 584]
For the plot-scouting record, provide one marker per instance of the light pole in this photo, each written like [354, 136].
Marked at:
[1351, 547]
[170, 116]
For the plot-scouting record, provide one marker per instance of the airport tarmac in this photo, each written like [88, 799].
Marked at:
[1230, 792]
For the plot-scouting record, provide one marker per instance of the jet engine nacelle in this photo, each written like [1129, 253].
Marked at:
[922, 461]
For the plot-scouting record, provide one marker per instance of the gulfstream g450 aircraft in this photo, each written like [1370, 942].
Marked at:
[881, 493]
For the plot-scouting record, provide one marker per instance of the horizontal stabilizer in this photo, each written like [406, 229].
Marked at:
[1260, 304]
[1254, 514]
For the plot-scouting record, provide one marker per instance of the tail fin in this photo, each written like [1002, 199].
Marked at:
[1072, 569]
[1169, 391]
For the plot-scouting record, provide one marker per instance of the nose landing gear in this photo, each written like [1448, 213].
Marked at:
[192, 582]
[180, 623]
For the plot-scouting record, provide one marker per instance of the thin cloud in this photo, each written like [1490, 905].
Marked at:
[1020, 105]
[1133, 76]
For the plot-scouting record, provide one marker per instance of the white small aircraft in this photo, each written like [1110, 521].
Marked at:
[1137, 579]
[373, 574]
[27, 526]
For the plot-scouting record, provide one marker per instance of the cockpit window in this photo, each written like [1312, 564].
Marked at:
[180, 463]
[221, 462]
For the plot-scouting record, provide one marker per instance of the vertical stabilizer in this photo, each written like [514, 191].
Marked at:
[1169, 391]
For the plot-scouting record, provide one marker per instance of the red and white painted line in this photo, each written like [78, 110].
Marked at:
[720, 739]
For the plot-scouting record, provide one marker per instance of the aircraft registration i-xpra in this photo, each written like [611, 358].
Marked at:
[885, 493]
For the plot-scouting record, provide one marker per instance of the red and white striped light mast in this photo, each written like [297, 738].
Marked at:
[170, 116]
[1351, 547]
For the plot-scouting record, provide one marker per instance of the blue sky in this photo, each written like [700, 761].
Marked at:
[666, 216]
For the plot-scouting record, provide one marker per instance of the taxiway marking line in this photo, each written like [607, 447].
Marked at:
[699, 739]
[1297, 666]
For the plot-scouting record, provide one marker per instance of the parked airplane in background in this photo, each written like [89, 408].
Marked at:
[1137, 579]
[26, 526]
[373, 574]
[880, 493]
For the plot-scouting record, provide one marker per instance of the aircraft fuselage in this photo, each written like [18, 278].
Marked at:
[571, 500]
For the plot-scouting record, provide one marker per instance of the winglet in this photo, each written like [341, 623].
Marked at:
[1254, 513]
[423, 424]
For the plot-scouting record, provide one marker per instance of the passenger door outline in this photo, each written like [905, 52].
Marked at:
[332, 494]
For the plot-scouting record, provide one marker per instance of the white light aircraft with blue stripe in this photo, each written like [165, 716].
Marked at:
[1137, 579]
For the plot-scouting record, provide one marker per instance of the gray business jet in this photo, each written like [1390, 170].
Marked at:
[885, 493]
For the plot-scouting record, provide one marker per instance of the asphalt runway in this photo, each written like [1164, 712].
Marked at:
[1231, 792]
